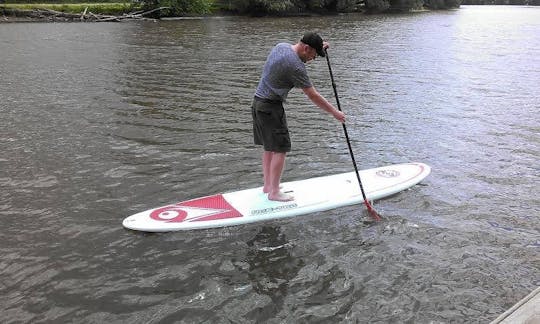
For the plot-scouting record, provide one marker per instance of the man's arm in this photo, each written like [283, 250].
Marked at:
[322, 103]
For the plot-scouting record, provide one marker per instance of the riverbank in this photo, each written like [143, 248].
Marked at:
[48, 15]
[97, 12]
[87, 13]
[62, 12]
[115, 12]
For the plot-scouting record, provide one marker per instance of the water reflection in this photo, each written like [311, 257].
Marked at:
[271, 267]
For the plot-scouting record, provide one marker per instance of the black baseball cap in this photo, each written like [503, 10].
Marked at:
[315, 41]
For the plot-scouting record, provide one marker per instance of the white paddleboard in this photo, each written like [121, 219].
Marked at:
[252, 205]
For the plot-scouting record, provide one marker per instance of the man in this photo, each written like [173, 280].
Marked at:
[284, 69]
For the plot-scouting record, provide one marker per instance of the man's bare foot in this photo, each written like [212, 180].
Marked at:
[280, 196]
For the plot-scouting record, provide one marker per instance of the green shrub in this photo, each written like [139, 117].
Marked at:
[180, 7]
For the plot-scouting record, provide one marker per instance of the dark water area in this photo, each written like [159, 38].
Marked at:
[100, 121]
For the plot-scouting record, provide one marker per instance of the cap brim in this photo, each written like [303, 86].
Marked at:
[321, 52]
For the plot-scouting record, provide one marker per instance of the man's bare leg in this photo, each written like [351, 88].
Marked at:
[266, 162]
[277, 164]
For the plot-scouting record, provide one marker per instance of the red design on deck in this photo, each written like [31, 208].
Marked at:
[202, 209]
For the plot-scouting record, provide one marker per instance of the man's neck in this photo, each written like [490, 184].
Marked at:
[297, 48]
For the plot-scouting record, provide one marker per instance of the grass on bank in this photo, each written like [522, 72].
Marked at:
[113, 8]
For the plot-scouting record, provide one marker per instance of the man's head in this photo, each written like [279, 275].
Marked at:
[314, 41]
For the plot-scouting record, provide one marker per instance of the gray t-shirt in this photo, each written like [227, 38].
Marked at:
[282, 71]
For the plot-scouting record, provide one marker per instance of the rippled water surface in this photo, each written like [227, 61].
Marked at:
[99, 121]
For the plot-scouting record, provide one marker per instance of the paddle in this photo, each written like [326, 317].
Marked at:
[370, 209]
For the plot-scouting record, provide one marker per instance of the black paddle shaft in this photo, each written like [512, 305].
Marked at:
[345, 130]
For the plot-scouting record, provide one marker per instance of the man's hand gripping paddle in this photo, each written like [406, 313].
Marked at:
[370, 209]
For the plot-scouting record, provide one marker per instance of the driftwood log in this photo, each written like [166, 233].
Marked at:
[53, 15]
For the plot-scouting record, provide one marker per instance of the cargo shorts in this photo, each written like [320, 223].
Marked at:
[270, 125]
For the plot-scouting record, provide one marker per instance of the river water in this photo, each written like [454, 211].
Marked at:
[99, 121]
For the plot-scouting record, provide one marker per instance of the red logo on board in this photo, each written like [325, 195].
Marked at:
[202, 209]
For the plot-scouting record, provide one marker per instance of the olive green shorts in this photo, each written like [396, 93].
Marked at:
[270, 125]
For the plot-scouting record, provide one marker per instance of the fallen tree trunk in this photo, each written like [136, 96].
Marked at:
[53, 15]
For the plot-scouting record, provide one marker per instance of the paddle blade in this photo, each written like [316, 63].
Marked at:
[372, 211]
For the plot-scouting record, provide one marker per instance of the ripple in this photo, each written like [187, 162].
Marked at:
[43, 181]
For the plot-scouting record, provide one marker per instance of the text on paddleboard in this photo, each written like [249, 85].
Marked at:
[273, 209]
